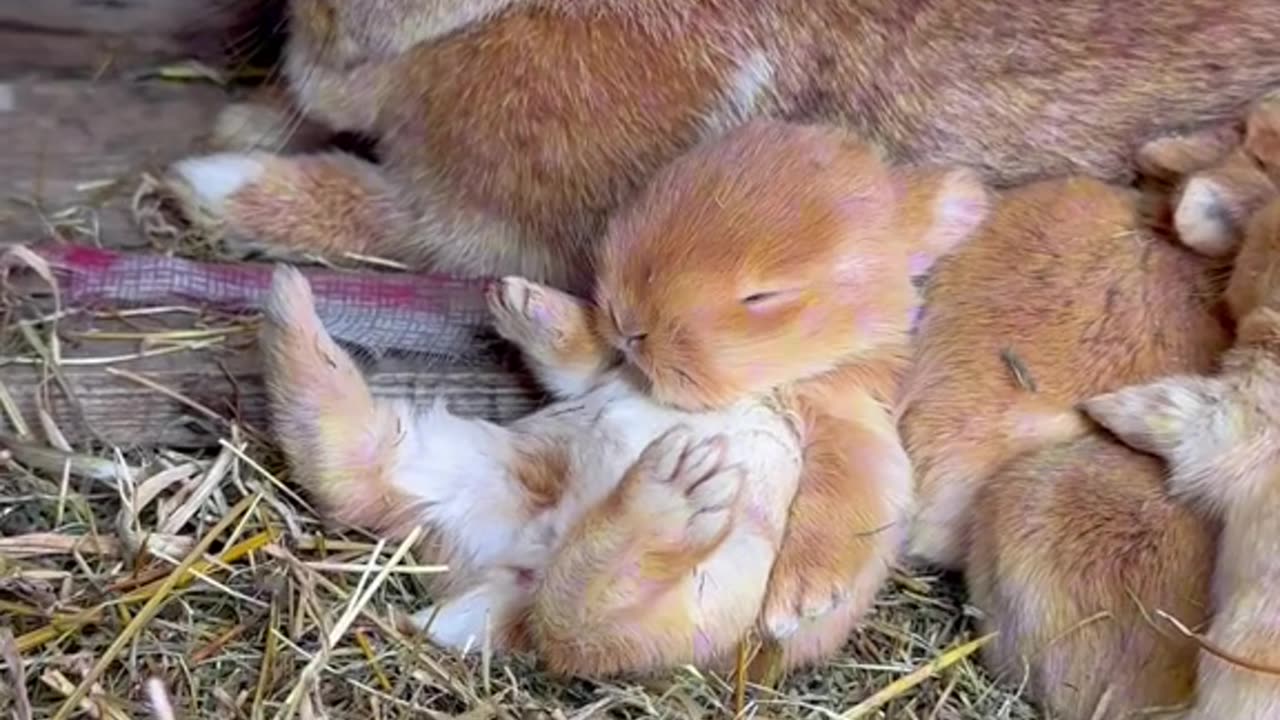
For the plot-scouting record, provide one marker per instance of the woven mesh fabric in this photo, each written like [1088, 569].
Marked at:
[379, 312]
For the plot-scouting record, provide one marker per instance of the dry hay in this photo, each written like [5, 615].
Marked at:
[133, 579]
[165, 582]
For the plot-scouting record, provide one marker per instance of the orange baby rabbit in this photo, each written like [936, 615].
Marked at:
[1219, 436]
[1065, 535]
[1074, 547]
[779, 258]
[606, 532]
[510, 129]
[1062, 292]
[762, 277]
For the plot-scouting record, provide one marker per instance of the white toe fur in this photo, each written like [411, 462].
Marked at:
[1201, 221]
[214, 178]
[460, 623]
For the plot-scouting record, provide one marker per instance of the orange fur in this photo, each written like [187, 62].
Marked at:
[781, 256]
[1088, 284]
[1075, 549]
[542, 469]
[607, 603]
[1218, 437]
[847, 522]
[561, 347]
[773, 265]
[333, 428]
[605, 532]
[1226, 183]
[1262, 134]
[339, 440]
[348, 206]
[1257, 266]
[515, 127]
[1173, 157]
[1065, 538]
[774, 254]
[1214, 205]
[615, 596]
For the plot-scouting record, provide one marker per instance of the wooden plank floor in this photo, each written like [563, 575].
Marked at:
[77, 129]
[119, 392]
[74, 150]
[76, 38]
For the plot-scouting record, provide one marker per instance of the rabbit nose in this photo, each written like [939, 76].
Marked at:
[626, 328]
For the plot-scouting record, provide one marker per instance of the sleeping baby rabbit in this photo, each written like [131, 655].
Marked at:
[757, 293]
[1067, 538]
[1218, 435]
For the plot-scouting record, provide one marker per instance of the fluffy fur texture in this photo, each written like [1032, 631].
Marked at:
[779, 258]
[772, 265]
[606, 532]
[1066, 536]
[510, 129]
[1094, 301]
[1220, 438]
[1078, 545]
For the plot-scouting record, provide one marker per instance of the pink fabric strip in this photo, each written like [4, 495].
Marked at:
[419, 313]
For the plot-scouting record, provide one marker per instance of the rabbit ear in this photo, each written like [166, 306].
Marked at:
[949, 206]
[1262, 136]
[1209, 431]
[1165, 418]
[1175, 156]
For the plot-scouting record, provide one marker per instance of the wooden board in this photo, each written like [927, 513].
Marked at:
[78, 146]
[79, 37]
[76, 141]
[108, 404]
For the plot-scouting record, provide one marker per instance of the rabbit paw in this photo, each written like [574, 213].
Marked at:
[203, 187]
[527, 313]
[801, 594]
[686, 488]
[538, 319]
[307, 207]
[460, 624]
[1203, 220]
[484, 614]
[194, 202]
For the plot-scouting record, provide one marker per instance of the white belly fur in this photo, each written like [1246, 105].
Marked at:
[606, 430]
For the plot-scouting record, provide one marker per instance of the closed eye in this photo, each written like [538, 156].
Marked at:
[758, 298]
[767, 298]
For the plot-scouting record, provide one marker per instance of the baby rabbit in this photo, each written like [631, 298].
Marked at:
[1061, 294]
[511, 129]
[762, 277]
[1218, 435]
[607, 532]
[778, 258]
[1066, 537]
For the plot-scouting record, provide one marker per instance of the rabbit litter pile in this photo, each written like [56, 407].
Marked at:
[159, 583]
